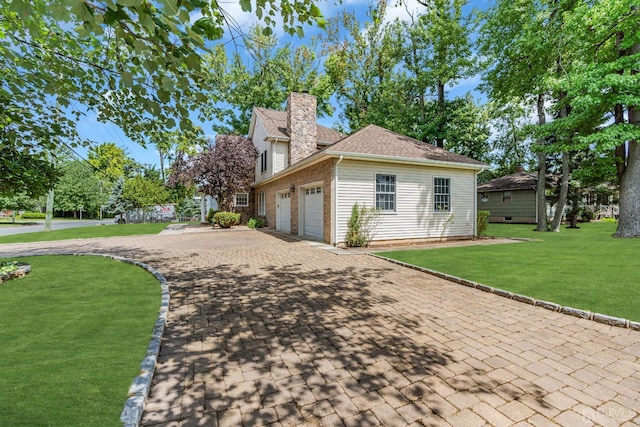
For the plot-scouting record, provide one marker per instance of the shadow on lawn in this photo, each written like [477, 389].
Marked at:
[295, 345]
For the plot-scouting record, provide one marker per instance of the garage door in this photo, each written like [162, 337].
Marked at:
[283, 214]
[313, 212]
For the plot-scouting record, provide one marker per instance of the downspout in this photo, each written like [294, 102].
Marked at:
[475, 205]
[334, 202]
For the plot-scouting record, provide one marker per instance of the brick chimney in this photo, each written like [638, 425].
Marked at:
[519, 168]
[301, 124]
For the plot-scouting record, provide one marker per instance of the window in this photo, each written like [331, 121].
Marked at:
[263, 161]
[484, 197]
[242, 199]
[506, 197]
[386, 192]
[262, 203]
[442, 194]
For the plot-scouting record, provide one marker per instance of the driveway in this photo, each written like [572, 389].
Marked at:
[265, 330]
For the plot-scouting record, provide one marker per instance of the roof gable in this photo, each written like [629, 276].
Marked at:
[377, 141]
[275, 123]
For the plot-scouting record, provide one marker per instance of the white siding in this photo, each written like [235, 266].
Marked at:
[259, 135]
[281, 157]
[414, 217]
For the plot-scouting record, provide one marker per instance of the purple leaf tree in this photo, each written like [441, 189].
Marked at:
[223, 169]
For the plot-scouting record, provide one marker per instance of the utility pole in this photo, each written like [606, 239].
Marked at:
[49, 215]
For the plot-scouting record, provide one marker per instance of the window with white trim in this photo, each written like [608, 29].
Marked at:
[262, 203]
[442, 194]
[263, 161]
[386, 192]
[242, 199]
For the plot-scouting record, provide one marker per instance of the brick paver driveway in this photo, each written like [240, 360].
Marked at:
[265, 331]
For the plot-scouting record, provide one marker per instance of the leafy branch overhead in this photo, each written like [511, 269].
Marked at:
[136, 63]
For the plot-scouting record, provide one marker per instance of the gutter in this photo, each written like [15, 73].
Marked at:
[406, 160]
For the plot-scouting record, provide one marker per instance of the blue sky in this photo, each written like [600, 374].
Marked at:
[91, 128]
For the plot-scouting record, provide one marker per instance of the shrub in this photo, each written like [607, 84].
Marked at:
[256, 223]
[210, 215]
[33, 215]
[226, 219]
[361, 226]
[483, 222]
[608, 220]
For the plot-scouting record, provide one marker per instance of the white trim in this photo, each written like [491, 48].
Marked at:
[405, 160]
[334, 202]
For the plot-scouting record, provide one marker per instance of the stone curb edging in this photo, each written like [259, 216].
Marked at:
[140, 386]
[139, 389]
[583, 314]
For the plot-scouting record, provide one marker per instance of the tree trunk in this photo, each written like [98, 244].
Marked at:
[439, 136]
[564, 191]
[618, 116]
[629, 219]
[542, 173]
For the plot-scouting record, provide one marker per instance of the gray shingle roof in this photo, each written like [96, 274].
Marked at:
[378, 141]
[276, 124]
[515, 181]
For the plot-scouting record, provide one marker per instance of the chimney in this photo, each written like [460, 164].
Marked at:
[519, 168]
[301, 124]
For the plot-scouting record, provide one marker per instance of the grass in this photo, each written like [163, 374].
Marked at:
[86, 232]
[73, 334]
[584, 268]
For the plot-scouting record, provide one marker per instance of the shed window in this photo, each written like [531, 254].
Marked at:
[506, 197]
[242, 199]
[442, 194]
[386, 192]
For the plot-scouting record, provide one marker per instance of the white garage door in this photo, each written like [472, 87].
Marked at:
[283, 212]
[313, 212]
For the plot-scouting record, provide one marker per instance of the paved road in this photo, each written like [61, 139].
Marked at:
[7, 230]
[265, 330]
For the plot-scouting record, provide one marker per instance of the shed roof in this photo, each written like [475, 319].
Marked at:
[515, 181]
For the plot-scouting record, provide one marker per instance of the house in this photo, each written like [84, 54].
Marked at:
[308, 178]
[510, 198]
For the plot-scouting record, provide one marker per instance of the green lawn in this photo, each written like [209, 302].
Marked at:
[583, 268]
[73, 333]
[86, 232]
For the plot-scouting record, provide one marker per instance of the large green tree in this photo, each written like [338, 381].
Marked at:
[136, 63]
[603, 93]
[78, 189]
[263, 75]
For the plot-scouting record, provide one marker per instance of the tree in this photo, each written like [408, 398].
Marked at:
[263, 77]
[603, 92]
[78, 189]
[221, 170]
[15, 203]
[143, 193]
[132, 62]
[111, 161]
[519, 52]
[439, 54]
[26, 170]
[117, 204]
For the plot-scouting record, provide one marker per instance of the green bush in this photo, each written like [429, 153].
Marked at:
[483, 222]
[609, 220]
[256, 223]
[361, 226]
[33, 215]
[210, 215]
[226, 219]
